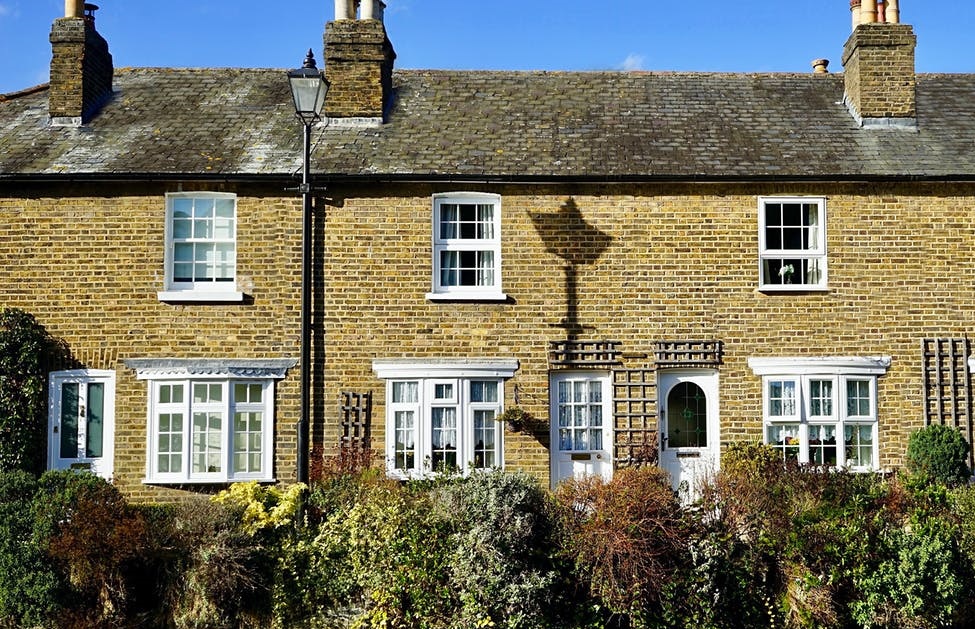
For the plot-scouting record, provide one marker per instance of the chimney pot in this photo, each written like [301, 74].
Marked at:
[820, 65]
[73, 8]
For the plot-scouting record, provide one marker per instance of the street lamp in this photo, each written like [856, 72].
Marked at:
[308, 89]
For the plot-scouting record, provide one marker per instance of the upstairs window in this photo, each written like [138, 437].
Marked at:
[201, 247]
[792, 243]
[466, 247]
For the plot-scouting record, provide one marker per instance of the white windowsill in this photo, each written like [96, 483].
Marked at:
[467, 296]
[793, 288]
[197, 481]
[200, 296]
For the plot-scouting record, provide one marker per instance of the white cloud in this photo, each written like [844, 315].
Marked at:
[633, 61]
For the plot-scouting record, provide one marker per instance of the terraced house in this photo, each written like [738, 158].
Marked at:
[635, 266]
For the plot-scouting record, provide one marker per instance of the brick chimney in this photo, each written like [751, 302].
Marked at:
[878, 67]
[81, 66]
[358, 62]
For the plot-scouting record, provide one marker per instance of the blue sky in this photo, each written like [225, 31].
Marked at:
[701, 35]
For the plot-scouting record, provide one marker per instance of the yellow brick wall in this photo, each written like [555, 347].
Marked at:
[87, 261]
[681, 264]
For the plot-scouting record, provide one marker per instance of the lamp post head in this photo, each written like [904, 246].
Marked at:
[308, 89]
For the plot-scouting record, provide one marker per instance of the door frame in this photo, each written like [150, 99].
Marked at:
[709, 456]
[104, 465]
[601, 460]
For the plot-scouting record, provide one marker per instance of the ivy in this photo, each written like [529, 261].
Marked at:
[26, 349]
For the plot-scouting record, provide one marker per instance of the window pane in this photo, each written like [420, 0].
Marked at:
[70, 403]
[485, 427]
[484, 391]
[443, 439]
[404, 450]
[782, 398]
[443, 391]
[858, 398]
[785, 439]
[247, 442]
[821, 398]
[687, 417]
[406, 392]
[822, 445]
[96, 418]
[206, 442]
[859, 444]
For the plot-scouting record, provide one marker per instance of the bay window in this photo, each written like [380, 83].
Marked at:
[822, 411]
[441, 416]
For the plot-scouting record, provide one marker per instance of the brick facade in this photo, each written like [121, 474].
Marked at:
[682, 264]
[87, 261]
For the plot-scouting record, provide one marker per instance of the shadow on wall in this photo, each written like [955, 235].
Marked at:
[567, 235]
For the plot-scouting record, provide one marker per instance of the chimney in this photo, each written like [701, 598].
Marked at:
[81, 66]
[878, 70]
[358, 62]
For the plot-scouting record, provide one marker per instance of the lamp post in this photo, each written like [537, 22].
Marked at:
[308, 89]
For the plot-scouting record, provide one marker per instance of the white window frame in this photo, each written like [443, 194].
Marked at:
[209, 291]
[224, 374]
[427, 376]
[801, 373]
[771, 262]
[441, 245]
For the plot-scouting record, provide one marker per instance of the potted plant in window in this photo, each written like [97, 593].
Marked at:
[514, 418]
[785, 272]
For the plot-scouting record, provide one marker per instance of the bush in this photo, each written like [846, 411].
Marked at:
[225, 572]
[30, 590]
[501, 550]
[94, 540]
[940, 453]
[626, 537]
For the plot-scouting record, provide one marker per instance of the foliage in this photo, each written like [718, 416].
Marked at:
[627, 536]
[501, 550]
[25, 351]
[916, 581]
[225, 570]
[939, 452]
[263, 508]
[30, 592]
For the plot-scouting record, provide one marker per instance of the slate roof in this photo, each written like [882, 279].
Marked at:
[532, 126]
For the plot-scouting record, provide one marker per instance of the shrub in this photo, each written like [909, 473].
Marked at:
[93, 540]
[30, 590]
[502, 549]
[918, 580]
[940, 453]
[25, 348]
[626, 536]
[225, 572]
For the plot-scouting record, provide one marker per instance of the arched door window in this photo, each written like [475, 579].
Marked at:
[687, 417]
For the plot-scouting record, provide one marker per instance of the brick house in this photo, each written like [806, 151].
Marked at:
[649, 265]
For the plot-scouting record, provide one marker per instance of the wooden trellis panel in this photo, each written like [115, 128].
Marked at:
[356, 420]
[947, 384]
[635, 412]
[687, 354]
[584, 354]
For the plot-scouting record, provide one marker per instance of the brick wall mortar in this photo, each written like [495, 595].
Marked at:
[682, 264]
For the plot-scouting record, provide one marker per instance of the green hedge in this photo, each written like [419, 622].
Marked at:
[767, 545]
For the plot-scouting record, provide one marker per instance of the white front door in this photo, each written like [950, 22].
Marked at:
[582, 425]
[81, 421]
[689, 445]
